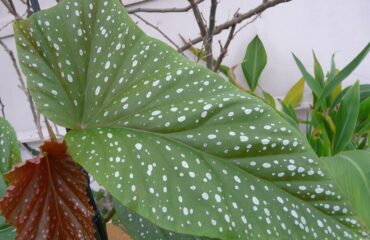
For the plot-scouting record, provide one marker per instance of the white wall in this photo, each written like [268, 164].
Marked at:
[300, 26]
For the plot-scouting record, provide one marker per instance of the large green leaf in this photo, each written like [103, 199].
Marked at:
[172, 141]
[351, 170]
[346, 118]
[254, 62]
[140, 228]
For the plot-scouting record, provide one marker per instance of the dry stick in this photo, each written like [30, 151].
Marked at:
[206, 33]
[23, 87]
[247, 23]
[209, 38]
[198, 17]
[235, 20]
[2, 105]
[10, 6]
[163, 10]
[158, 29]
[135, 3]
[225, 48]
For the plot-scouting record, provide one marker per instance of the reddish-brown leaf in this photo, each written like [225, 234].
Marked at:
[46, 197]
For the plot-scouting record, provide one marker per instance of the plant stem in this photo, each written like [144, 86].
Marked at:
[101, 231]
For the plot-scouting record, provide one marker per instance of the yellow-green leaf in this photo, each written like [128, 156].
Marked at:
[295, 94]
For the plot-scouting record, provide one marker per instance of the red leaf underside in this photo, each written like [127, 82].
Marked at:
[46, 197]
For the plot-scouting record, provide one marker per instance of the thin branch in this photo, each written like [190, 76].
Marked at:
[11, 8]
[247, 23]
[198, 17]
[209, 38]
[23, 87]
[235, 20]
[225, 48]
[2, 105]
[6, 36]
[136, 3]
[158, 29]
[163, 10]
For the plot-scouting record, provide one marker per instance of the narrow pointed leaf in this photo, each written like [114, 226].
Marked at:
[345, 72]
[319, 73]
[47, 197]
[364, 93]
[352, 172]
[295, 94]
[269, 99]
[346, 118]
[364, 113]
[254, 62]
[336, 92]
[170, 140]
[311, 82]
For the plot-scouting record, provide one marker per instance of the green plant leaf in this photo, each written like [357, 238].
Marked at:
[290, 115]
[351, 170]
[364, 93]
[9, 155]
[9, 150]
[140, 228]
[364, 112]
[172, 141]
[295, 94]
[319, 73]
[254, 62]
[6, 232]
[346, 118]
[345, 72]
[311, 82]
[336, 92]
[269, 99]
[318, 136]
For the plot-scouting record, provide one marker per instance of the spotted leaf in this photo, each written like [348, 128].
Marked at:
[172, 141]
[9, 155]
[47, 198]
[9, 151]
[140, 228]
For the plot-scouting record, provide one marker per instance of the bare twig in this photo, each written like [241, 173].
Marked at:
[209, 38]
[23, 87]
[2, 105]
[198, 17]
[29, 10]
[163, 10]
[158, 29]
[247, 23]
[136, 3]
[235, 20]
[224, 48]
[11, 8]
